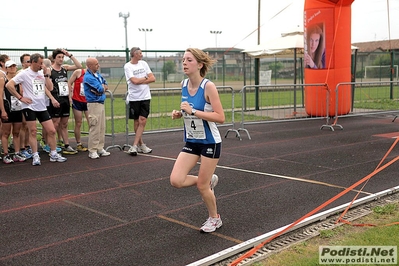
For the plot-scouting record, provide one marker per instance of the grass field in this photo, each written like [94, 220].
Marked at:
[384, 232]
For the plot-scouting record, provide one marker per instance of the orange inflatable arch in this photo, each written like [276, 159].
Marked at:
[327, 56]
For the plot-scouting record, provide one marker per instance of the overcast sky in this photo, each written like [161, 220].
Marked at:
[175, 24]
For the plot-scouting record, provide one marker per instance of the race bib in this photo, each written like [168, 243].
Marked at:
[38, 87]
[63, 88]
[82, 90]
[194, 127]
[15, 104]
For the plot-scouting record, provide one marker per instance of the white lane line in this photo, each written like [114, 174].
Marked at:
[95, 211]
[266, 174]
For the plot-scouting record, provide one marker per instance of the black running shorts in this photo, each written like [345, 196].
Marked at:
[206, 150]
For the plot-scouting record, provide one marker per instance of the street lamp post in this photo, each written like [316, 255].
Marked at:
[125, 16]
[216, 32]
[145, 38]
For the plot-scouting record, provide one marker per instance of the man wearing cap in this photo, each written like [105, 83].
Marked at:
[138, 76]
[35, 82]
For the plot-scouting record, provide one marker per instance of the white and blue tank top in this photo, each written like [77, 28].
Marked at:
[197, 130]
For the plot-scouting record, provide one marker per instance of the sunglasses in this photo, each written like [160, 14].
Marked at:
[27, 62]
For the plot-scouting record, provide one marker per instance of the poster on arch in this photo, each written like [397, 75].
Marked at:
[318, 38]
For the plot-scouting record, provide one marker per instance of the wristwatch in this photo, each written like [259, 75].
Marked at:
[46, 75]
[193, 111]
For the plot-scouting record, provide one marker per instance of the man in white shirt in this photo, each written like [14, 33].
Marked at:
[138, 76]
[36, 82]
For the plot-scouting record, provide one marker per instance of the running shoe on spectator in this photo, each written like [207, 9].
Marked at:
[57, 158]
[29, 150]
[93, 155]
[7, 159]
[26, 154]
[18, 157]
[69, 150]
[36, 160]
[46, 148]
[211, 224]
[143, 149]
[80, 147]
[133, 150]
[104, 153]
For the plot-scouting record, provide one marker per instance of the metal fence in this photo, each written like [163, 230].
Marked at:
[264, 104]
[244, 102]
[233, 68]
[378, 97]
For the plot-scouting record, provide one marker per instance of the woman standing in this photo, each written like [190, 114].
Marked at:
[201, 109]
[11, 115]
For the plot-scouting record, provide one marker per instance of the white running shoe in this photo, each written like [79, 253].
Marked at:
[93, 155]
[104, 153]
[214, 181]
[36, 160]
[7, 159]
[18, 157]
[133, 150]
[143, 149]
[57, 158]
[211, 224]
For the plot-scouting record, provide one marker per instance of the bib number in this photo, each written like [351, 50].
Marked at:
[63, 88]
[82, 90]
[15, 104]
[38, 87]
[194, 127]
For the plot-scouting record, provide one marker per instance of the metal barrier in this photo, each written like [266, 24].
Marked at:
[232, 113]
[274, 103]
[162, 96]
[163, 101]
[126, 145]
[367, 98]
[72, 123]
[261, 104]
[112, 135]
